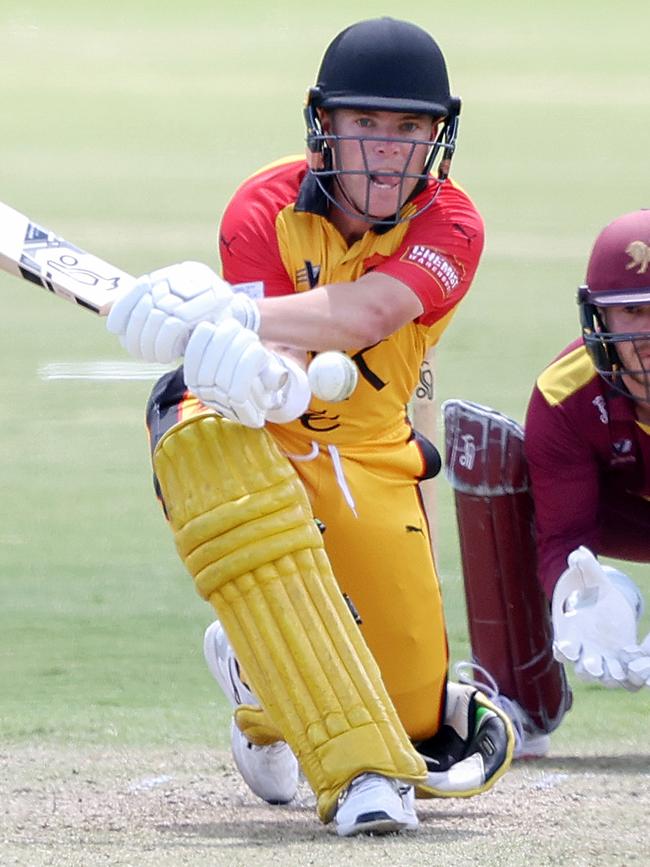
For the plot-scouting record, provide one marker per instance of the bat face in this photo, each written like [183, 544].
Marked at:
[38, 255]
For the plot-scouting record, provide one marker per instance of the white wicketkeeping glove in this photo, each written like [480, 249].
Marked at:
[595, 610]
[155, 317]
[638, 663]
[228, 369]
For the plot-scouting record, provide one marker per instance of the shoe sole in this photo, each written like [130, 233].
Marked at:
[375, 823]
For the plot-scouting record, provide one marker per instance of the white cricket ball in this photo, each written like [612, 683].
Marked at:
[332, 376]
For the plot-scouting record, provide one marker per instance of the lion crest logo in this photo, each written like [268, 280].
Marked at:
[639, 253]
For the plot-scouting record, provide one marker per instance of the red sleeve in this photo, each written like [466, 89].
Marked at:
[248, 243]
[565, 485]
[440, 253]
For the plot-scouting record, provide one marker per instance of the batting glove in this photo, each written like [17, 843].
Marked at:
[155, 318]
[228, 369]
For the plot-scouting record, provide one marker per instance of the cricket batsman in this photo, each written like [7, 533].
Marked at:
[574, 489]
[331, 646]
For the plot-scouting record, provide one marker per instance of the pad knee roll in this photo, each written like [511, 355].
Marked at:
[244, 528]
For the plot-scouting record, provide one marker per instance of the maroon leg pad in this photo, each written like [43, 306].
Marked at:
[508, 613]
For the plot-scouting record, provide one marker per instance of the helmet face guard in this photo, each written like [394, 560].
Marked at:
[381, 65]
[332, 170]
[601, 344]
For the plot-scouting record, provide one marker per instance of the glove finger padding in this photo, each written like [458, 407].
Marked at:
[156, 316]
[124, 305]
[639, 672]
[194, 354]
[275, 373]
[135, 326]
[171, 340]
[637, 657]
[566, 651]
[616, 671]
[160, 342]
[222, 368]
[589, 665]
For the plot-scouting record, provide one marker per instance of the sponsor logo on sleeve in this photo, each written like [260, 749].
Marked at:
[445, 270]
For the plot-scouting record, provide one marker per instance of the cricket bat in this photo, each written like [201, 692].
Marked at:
[39, 255]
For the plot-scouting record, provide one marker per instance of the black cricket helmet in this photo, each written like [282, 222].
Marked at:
[382, 64]
[618, 274]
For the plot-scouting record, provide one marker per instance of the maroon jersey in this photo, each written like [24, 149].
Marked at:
[589, 461]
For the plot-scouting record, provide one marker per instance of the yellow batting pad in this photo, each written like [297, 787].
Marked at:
[244, 528]
[254, 722]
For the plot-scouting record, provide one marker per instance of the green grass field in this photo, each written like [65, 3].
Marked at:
[125, 128]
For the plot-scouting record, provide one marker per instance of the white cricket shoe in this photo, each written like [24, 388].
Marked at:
[271, 772]
[374, 804]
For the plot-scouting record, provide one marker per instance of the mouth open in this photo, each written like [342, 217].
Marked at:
[385, 180]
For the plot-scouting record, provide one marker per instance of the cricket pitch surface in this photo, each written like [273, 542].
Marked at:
[126, 806]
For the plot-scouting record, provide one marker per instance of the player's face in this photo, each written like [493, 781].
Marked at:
[378, 148]
[634, 354]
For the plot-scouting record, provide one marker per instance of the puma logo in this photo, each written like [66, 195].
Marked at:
[639, 253]
[227, 242]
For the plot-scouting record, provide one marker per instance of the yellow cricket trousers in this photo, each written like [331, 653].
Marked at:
[379, 545]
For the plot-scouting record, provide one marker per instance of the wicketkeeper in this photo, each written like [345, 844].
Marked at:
[331, 646]
[537, 593]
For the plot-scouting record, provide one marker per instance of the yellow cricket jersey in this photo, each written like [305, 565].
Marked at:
[276, 230]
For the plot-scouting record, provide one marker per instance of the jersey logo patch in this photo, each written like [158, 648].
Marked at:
[623, 447]
[601, 406]
[445, 271]
[639, 253]
[308, 275]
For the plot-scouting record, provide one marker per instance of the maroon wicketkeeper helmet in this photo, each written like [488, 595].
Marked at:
[618, 274]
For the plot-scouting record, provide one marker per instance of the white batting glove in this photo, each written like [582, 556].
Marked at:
[595, 610]
[154, 319]
[638, 663]
[227, 368]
